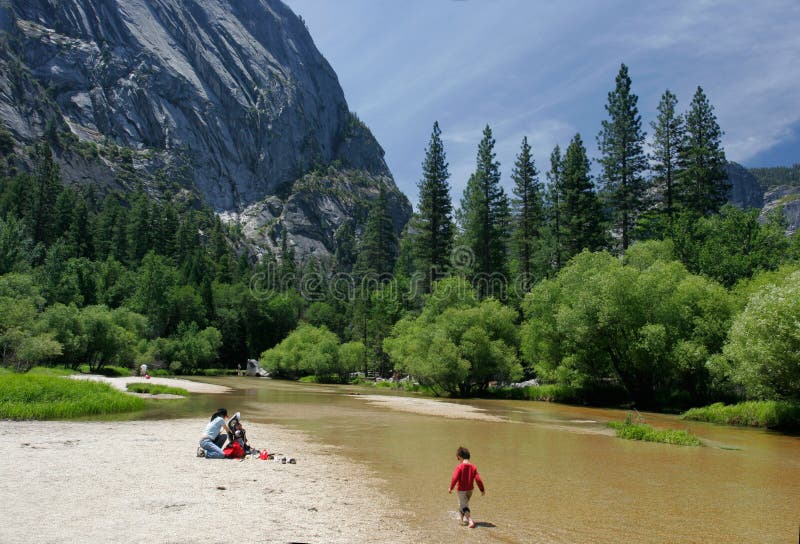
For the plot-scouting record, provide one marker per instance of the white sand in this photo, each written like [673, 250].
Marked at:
[122, 383]
[119, 482]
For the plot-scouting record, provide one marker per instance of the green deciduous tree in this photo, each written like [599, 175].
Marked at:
[308, 350]
[764, 342]
[457, 345]
[649, 326]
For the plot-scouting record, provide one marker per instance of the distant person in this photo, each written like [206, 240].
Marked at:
[465, 475]
[143, 370]
[213, 438]
[238, 369]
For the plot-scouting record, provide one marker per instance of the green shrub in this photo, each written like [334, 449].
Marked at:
[639, 431]
[771, 414]
[156, 389]
[53, 397]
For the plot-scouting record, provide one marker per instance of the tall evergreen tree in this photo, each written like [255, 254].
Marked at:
[667, 140]
[484, 215]
[47, 188]
[378, 247]
[433, 225]
[703, 183]
[581, 211]
[139, 228]
[528, 215]
[554, 192]
[621, 143]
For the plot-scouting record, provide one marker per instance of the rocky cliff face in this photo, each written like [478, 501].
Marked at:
[786, 200]
[229, 96]
[745, 190]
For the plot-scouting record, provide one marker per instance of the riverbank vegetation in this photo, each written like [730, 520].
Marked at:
[647, 433]
[156, 389]
[635, 286]
[54, 397]
[771, 414]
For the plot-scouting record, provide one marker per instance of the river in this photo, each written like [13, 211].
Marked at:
[554, 473]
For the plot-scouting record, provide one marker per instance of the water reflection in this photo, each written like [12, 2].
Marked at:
[554, 473]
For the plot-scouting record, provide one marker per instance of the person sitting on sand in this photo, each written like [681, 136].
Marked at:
[213, 438]
[464, 476]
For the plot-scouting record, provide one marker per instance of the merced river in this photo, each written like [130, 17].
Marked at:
[554, 473]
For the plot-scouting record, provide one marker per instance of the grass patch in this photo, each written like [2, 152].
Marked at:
[765, 413]
[50, 371]
[639, 431]
[53, 397]
[156, 389]
[107, 371]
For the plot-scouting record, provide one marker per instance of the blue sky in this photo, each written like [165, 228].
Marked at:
[544, 70]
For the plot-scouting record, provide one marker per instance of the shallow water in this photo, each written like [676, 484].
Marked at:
[554, 473]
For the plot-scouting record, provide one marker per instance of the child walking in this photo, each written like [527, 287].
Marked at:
[465, 475]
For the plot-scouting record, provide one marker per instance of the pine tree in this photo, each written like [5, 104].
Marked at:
[667, 140]
[47, 188]
[378, 246]
[433, 239]
[703, 184]
[80, 228]
[581, 211]
[555, 177]
[621, 144]
[484, 215]
[528, 214]
[139, 228]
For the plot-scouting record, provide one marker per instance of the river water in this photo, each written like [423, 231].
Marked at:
[554, 473]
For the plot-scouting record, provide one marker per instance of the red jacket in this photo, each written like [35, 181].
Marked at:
[464, 475]
[234, 451]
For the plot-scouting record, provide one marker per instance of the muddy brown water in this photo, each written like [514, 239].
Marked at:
[554, 473]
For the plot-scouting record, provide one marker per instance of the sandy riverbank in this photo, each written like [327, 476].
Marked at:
[122, 383]
[121, 482]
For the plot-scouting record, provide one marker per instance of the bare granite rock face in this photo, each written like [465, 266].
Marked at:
[233, 93]
[745, 190]
[786, 200]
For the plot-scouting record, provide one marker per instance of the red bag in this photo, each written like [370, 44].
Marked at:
[234, 451]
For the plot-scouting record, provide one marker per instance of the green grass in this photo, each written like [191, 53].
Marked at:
[50, 371]
[108, 371]
[639, 431]
[156, 389]
[766, 413]
[52, 397]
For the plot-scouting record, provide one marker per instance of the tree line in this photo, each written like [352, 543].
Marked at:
[628, 285]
